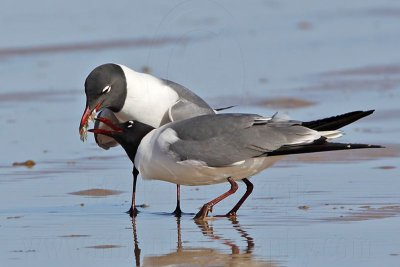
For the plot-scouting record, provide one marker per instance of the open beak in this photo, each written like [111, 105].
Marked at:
[87, 114]
[101, 131]
[114, 128]
[109, 123]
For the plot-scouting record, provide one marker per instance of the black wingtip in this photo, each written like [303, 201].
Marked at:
[357, 146]
[224, 108]
[337, 122]
[317, 147]
[376, 146]
[369, 112]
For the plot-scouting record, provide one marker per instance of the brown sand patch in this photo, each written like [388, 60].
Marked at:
[28, 163]
[387, 167]
[368, 213]
[368, 71]
[97, 45]
[105, 246]
[274, 103]
[356, 85]
[96, 192]
[285, 102]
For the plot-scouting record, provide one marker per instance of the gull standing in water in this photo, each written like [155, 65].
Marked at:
[211, 149]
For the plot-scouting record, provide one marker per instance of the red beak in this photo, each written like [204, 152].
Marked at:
[107, 122]
[101, 131]
[85, 118]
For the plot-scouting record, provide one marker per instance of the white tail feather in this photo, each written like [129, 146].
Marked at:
[331, 134]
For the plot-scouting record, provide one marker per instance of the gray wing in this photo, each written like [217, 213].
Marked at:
[185, 93]
[184, 109]
[189, 105]
[104, 141]
[223, 139]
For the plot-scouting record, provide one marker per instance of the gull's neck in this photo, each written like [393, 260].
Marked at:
[148, 98]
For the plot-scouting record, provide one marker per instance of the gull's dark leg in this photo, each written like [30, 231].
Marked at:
[133, 210]
[249, 190]
[178, 212]
[202, 214]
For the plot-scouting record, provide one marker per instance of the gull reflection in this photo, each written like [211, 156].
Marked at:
[204, 256]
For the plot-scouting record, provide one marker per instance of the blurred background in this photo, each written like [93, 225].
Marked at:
[306, 59]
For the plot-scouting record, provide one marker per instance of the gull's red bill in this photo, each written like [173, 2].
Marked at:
[85, 120]
[114, 128]
[109, 123]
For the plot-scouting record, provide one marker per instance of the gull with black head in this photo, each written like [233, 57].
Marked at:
[211, 149]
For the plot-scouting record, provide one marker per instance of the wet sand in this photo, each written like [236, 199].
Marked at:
[368, 213]
[323, 209]
[276, 103]
[96, 192]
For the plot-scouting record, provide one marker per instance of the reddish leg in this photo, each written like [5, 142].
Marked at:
[202, 214]
[178, 212]
[249, 189]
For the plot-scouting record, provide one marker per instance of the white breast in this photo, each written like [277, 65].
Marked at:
[148, 98]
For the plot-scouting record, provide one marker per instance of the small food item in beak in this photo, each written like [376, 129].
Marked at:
[83, 131]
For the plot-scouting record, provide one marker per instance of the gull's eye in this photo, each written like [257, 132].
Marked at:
[106, 89]
[130, 124]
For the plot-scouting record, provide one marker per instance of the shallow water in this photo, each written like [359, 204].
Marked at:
[305, 59]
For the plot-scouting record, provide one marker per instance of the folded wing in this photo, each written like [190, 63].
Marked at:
[225, 139]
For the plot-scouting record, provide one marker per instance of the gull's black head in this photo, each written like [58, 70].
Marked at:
[128, 134]
[132, 133]
[106, 84]
[105, 87]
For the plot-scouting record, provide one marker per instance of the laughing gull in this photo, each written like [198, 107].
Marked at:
[123, 94]
[211, 149]
[131, 95]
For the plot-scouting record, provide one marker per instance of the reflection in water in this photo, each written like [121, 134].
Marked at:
[203, 256]
[136, 242]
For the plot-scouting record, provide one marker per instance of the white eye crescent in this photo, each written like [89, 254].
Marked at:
[130, 124]
[106, 89]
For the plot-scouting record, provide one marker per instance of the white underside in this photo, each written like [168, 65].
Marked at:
[153, 162]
